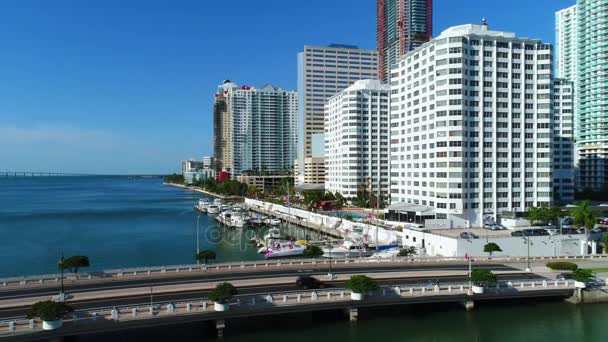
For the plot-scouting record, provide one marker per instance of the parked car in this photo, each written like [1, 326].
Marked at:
[492, 227]
[468, 235]
[603, 221]
[308, 283]
[517, 233]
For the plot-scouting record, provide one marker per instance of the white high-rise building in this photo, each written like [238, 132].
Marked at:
[323, 71]
[356, 139]
[566, 43]
[563, 141]
[471, 126]
[255, 128]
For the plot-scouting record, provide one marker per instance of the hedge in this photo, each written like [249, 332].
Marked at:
[562, 266]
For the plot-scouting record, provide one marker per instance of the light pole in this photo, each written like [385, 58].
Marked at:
[528, 268]
[197, 242]
[329, 275]
[61, 296]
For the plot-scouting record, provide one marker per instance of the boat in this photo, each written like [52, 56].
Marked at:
[213, 209]
[237, 220]
[272, 221]
[218, 202]
[273, 233]
[387, 253]
[202, 205]
[282, 249]
[347, 249]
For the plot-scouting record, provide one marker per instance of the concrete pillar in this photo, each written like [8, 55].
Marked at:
[461, 288]
[220, 325]
[411, 291]
[269, 299]
[522, 285]
[314, 296]
[436, 289]
[544, 283]
[134, 312]
[593, 247]
[583, 247]
[342, 294]
[189, 307]
[151, 311]
[383, 292]
[328, 295]
[299, 298]
[114, 314]
[32, 323]
[11, 326]
[134, 273]
[94, 316]
[353, 313]
[170, 308]
[397, 290]
[204, 306]
[450, 288]
[284, 298]
[469, 305]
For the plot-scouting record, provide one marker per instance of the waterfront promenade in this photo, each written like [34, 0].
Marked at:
[203, 191]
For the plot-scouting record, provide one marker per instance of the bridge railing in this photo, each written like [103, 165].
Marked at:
[253, 265]
[155, 310]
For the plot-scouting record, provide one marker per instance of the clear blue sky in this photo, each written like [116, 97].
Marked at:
[126, 86]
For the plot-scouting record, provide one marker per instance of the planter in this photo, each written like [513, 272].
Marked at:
[221, 307]
[52, 325]
[477, 289]
[580, 284]
[356, 296]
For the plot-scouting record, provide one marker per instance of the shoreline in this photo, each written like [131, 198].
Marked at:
[199, 190]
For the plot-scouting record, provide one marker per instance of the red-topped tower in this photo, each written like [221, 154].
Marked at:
[402, 25]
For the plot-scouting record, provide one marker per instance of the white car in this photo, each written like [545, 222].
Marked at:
[552, 231]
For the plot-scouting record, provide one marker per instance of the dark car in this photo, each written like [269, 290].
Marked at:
[308, 283]
[517, 233]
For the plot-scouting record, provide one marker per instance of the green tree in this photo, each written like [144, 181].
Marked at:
[583, 275]
[205, 255]
[483, 277]
[313, 251]
[361, 284]
[584, 215]
[174, 179]
[223, 293]
[605, 241]
[491, 248]
[407, 251]
[74, 263]
[48, 310]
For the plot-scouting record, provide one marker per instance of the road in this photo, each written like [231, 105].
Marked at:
[144, 299]
[184, 278]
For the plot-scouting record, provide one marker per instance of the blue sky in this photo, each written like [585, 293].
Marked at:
[126, 86]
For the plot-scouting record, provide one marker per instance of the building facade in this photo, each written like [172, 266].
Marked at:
[402, 25]
[471, 125]
[323, 71]
[357, 138]
[563, 141]
[566, 43]
[592, 94]
[255, 128]
[314, 170]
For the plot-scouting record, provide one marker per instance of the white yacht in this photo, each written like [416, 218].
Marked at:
[281, 249]
[237, 220]
[273, 221]
[273, 233]
[213, 209]
[347, 249]
[202, 206]
[387, 253]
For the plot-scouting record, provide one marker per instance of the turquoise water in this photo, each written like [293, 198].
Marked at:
[341, 213]
[116, 221]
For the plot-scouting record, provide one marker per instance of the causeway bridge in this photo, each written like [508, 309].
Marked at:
[7, 174]
[137, 298]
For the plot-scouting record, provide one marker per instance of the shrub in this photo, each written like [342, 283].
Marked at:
[205, 255]
[562, 266]
[407, 251]
[48, 310]
[223, 293]
[361, 284]
[313, 251]
[491, 248]
[583, 275]
[483, 277]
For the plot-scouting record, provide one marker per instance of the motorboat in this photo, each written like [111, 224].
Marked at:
[347, 249]
[282, 249]
[273, 221]
[218, 202]
[237, 220]
[202, 205]
[213, 209]
[387, 253]
[273, 233]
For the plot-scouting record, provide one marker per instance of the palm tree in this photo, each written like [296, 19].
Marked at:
[584, 215]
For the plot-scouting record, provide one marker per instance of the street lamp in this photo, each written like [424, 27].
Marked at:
[61, 296]
[329, 275]
[528, 268]
[197, 239]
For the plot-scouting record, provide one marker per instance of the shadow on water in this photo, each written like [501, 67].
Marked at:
[521, 320]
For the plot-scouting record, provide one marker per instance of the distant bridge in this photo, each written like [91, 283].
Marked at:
[7, 174]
